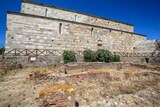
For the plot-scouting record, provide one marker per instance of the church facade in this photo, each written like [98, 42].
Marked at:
[40, 26]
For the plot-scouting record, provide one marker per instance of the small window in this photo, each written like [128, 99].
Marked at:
[92, 31]
[46, 12]
[12, 37]
[147, 60]
[76, 104]
[96, 21]
[99, 43]
[29, 38]
[75, 18]
[60, 28]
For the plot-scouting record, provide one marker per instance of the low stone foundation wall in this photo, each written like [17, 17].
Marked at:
[147, 66]
[144, 60]
[83, 66]
[133, 59]
[154, 60]
[26, 61]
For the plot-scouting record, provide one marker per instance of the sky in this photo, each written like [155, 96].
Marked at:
[144, 14]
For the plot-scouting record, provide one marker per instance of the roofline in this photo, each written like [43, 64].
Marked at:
[62, 20]
[83, 13]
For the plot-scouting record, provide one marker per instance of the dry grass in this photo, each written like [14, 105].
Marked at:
[91, 71]
[25, 93]
[55, 88]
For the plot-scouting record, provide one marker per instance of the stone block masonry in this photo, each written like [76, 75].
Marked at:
[55, 12]
[145, 46]
[45, 27]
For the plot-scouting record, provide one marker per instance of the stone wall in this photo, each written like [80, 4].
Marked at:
[25, 61]
[54, 12]
[33, 32]
[85, 66]
[134, 59]
[148, 46]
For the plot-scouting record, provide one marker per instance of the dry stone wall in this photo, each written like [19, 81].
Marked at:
[33, 32]
[54, 12]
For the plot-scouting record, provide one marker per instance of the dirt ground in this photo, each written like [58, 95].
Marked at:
[128, 87]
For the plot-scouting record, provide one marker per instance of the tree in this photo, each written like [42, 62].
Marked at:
[158, 44]
[157, 48]
[2, 50]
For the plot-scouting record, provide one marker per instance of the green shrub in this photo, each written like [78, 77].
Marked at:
[2, 51]
[69, 56]
[89, 56]
[104, 55]
[100, 55]
[116, 58]
[158, 43]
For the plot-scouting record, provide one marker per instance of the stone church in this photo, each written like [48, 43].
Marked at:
[40, 26]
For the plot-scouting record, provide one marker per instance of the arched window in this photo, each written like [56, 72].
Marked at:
[99, 43]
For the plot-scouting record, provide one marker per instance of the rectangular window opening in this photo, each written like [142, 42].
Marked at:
[60, 28]
[46, 12]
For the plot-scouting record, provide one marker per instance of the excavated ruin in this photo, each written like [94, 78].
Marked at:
[82, 85]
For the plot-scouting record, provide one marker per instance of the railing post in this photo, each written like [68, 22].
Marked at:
[15, 52]
[46, 51]
[26, 52]
[36, 52]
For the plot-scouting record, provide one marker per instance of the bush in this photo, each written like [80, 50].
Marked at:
[89, 56]
[2, 51]
[100, 55]
[116, 58]
[69, 56]
[103, 55]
